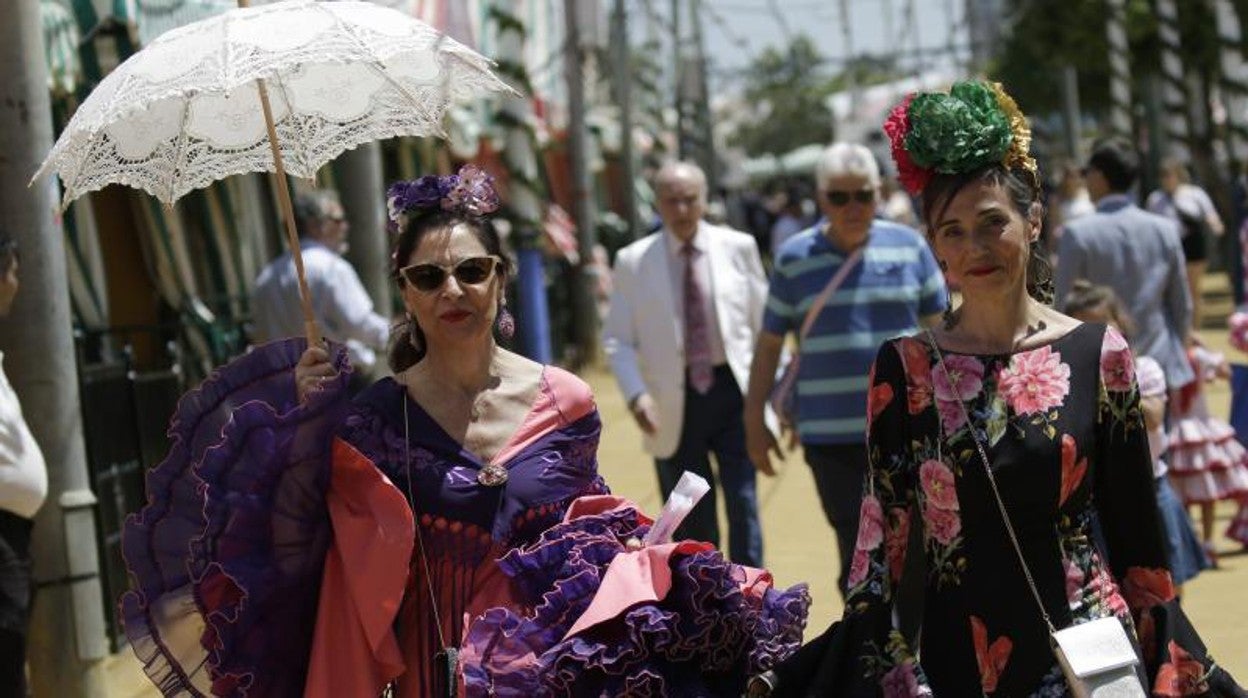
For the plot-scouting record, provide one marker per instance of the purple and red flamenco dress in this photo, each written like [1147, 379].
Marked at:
[278, 556]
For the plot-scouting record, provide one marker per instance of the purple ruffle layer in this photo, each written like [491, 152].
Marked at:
[225, 559]
[704, 639]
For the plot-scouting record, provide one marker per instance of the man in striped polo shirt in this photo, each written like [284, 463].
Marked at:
[894, 286]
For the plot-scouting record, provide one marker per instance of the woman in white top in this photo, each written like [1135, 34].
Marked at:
[23, 486]
[1191, 208]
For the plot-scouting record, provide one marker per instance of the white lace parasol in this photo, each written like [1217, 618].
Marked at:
[185, 111]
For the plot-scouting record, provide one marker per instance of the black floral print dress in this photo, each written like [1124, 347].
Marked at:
[1064, 433]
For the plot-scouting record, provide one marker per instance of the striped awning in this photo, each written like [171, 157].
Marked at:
[60, 47]
[155, 17]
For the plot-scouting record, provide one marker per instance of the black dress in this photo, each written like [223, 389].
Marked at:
[1065, 436]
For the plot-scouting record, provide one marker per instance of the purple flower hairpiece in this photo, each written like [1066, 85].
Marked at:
[470, 191]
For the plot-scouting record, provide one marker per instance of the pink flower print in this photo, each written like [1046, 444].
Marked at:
[858, 568]
[1117, 364]
[870, 524]
[964, 380]
[899, 682]
[1113, 341]
[895, 539]
[1074, 582]
[1106, 591]
[943, 525]
[952, 417]
[938, 485]
[1034, 381]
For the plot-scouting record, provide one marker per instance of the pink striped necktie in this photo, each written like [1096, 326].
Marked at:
[697, 330]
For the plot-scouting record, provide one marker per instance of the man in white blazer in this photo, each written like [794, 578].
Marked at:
[685, 311]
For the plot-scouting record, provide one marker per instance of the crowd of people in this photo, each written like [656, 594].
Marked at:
[1003, 417]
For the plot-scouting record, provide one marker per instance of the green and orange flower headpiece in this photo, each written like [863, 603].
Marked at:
[976, 124]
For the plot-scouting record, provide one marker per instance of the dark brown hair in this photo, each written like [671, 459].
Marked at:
[403, 353]
[1023, 189]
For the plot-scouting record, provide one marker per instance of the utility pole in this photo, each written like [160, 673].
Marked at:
[847, 44]
[702, 106]
[623, 74]
[67, 635]
[678, 84]
[585, 310]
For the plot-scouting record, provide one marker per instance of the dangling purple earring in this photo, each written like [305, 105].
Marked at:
[506, 322]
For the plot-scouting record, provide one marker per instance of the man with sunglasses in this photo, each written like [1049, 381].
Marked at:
[685, 308]
[890, 284]
[23, 487]
[342, 306]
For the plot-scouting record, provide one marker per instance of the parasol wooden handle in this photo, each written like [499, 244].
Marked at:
[288, 213]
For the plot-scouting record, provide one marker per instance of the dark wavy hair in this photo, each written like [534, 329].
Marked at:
[402, 353]
[1024, 191]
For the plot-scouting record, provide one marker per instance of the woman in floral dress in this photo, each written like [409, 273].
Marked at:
[1055, 406]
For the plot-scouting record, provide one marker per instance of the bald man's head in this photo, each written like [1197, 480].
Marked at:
[681, 191]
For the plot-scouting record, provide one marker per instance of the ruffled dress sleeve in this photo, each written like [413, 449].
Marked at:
[226, 557]
[1176, 661]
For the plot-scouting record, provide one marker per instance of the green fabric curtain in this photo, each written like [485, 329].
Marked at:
[87, 291]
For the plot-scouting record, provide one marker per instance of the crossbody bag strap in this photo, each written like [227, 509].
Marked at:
[837, 279]
[992, 482]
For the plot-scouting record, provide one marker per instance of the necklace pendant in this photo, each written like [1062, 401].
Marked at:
[492, 475]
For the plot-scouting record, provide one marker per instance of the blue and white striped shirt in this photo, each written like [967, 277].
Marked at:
[895, 284]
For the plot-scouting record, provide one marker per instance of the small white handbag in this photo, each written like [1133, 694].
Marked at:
[1098, 660]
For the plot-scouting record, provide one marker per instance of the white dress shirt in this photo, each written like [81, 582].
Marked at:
[340, 303]
[23, 475]
[702, 269]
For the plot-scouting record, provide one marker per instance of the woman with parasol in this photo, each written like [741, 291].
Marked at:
[452, 517]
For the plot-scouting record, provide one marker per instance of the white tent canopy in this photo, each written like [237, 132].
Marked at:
[799, 161]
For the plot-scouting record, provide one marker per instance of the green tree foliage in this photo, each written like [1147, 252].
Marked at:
[788, 90]
[1045, 36]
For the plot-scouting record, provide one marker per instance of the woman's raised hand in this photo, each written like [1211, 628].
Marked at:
[312, 371]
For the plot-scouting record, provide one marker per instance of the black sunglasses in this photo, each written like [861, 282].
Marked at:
[842, 198]
[430, 277]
